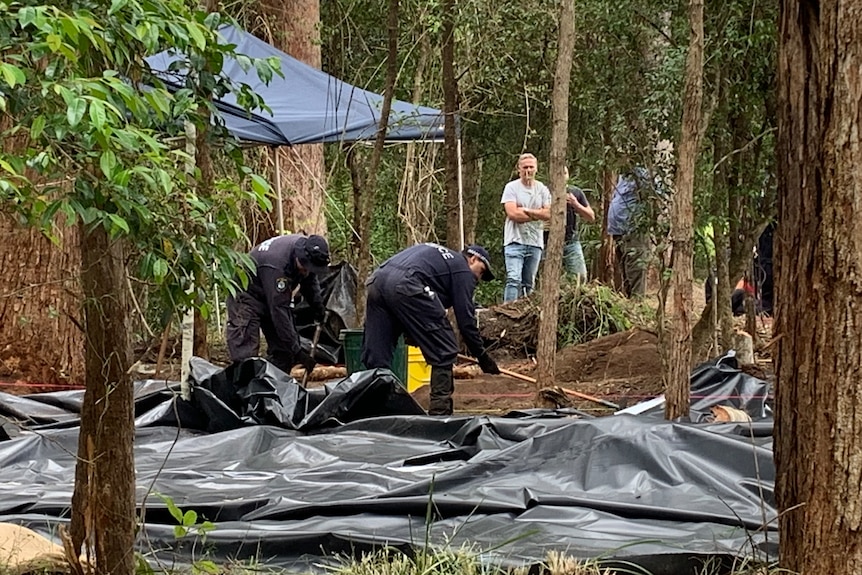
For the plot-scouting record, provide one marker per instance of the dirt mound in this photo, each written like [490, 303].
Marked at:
[586, 312]
[624, 368]
[620, 356]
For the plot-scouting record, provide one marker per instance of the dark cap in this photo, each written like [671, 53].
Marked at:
[482, 254]
[314, 255]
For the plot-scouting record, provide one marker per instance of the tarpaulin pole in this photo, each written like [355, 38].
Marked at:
[187, 322]
[278, 191]
[460, 195]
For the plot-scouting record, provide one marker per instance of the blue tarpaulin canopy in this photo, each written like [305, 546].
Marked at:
[308, 106]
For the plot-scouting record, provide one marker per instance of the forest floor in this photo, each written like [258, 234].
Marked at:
[624, 367]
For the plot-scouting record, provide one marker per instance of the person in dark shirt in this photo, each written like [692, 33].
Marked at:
[282, 264]
[577, 206]
[409, 294]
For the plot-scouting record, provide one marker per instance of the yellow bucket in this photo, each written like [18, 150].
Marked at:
[418, 372]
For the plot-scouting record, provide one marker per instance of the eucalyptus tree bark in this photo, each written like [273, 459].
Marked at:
[605, 268]
[103, 502]
[818, 359]
[206, 187]
[450, 136]
[472, 184]
[367, 198]
[677, 389]
[40, 299]
[293, 26]
[40, 306]
[552, 266]
[357, 180]
[722, 294]
[723, 284]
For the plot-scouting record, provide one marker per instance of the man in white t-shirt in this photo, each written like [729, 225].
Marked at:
[528, 204]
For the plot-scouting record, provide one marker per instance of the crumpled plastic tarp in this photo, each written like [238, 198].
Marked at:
[359, 468]
[338, 289]
[720, 381]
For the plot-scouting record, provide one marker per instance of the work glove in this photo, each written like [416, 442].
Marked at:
[488, 365]
[305, 360]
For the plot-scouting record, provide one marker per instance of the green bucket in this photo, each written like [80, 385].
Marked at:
[352, 340]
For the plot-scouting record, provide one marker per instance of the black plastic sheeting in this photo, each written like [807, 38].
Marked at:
[338, 289]
[290, 487]
[721, 382]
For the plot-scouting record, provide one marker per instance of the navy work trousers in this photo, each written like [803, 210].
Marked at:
[399, 302]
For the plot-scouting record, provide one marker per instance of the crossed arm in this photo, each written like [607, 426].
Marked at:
[520, 215]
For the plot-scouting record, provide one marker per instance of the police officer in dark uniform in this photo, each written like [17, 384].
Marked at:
[410, 294]
[283, 263]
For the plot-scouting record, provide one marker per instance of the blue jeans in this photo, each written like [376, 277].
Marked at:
[573, 260]
[522, 262]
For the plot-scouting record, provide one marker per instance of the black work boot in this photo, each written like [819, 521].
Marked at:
[442, 386]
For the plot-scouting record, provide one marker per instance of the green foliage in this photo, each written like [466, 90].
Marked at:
[626, 95]
[98, 138]
[589, 311]
[387, 234]
[187, 523]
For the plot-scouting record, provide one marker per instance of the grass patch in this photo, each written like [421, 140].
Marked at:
[462, 561]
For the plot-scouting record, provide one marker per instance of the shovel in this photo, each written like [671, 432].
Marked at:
[314, 341]
[523, 377]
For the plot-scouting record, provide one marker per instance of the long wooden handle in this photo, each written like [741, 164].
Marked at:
[314, 341]
[527, 378]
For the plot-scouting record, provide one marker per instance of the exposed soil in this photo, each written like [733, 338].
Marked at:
[623, 368]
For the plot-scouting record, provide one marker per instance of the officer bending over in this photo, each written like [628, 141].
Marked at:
[410, 294]
[283, 262]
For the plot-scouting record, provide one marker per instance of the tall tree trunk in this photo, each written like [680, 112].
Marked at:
[40, 302]
[472, 183]
[454, 207]
[723, 286]
[357, 181]
[368, 193]
[677, 390]
[293, 26]
[103, 503]
[722, 292]
[205, 184]
[416, 197]
[604, 266]
[547, 344]
[40, 297]
[818, 359]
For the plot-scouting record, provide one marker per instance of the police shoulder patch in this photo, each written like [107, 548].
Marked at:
[281, 284]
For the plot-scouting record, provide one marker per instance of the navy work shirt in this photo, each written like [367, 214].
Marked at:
[278, 275]
[448, 275]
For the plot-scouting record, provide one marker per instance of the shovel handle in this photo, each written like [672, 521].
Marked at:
[529, 379]
[314, 341]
